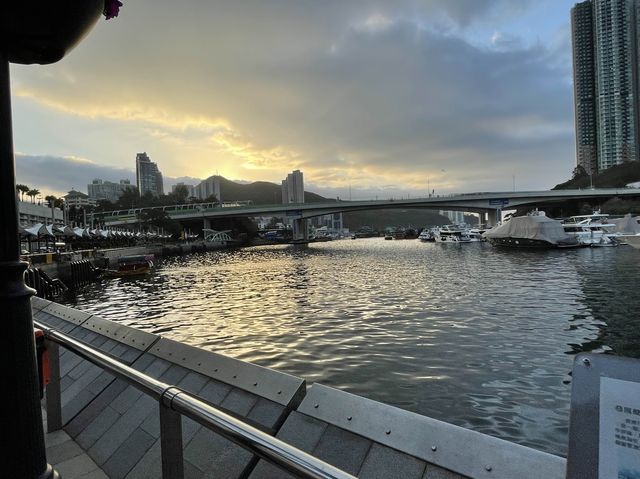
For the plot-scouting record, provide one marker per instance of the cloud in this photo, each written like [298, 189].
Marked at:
[364, 93]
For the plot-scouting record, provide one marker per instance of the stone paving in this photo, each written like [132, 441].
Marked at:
[67, 457]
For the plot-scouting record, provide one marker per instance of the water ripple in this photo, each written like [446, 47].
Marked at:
[472, 335]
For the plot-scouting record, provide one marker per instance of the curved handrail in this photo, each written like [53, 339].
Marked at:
[258, 442]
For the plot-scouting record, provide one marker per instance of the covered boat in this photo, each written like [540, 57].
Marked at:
[531, 231]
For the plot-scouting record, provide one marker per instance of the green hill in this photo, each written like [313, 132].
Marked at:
[260, 192]
[264, 192]
[615, 177]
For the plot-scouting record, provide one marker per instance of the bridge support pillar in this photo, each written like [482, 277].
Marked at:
[300, 229]
[206, 223]
[493, 216]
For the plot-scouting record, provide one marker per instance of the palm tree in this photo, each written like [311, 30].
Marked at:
[22, 189]
[33, 193]
[51, 200]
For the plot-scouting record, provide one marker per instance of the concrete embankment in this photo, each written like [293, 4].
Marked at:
[119, 428]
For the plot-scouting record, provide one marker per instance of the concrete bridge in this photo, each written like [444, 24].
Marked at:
[488, 205]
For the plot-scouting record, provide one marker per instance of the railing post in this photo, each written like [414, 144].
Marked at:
[53, 394]
[170, 436]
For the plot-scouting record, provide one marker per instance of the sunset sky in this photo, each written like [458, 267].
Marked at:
[385, 96]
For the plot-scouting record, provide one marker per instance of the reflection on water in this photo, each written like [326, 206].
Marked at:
[470, 334]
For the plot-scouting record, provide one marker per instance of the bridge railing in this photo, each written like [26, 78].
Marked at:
[175, 403]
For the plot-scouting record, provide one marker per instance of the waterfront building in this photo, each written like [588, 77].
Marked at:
[148, 176]
[208, 187]
[107, 190]
[293, 188]
[191, 190]
[78, 199]
[605, 70]
[31, 214]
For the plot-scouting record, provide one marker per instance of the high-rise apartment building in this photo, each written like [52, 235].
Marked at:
[606, 76]
[293, 188]
[148, 176]
[107, 190]
[209, 187]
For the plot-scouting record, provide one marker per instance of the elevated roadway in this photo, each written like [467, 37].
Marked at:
[490, 203]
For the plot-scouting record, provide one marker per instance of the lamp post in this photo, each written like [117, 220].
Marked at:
[22, 417]
[30, 32]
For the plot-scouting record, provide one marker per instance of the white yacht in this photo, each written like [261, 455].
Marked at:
[591, 230]
[428, 234]
[451, 234]
[475, 234]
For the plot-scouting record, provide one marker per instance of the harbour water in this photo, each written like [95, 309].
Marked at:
[470, 334]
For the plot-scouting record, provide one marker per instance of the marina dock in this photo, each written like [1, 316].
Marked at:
[119, 427]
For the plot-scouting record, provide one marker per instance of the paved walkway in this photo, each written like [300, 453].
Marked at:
[66, 457]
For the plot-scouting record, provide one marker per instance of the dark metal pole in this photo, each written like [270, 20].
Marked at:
[22, 429]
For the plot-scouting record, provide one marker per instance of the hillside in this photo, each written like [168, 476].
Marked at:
[260, 192]
[263, 192]
[615, 177]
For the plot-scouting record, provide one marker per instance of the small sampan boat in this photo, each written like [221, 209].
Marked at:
[131, 266]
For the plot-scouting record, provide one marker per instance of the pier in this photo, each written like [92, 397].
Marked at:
[128, 425]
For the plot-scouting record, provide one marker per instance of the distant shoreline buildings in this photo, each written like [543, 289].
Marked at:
[107, 190]
[606, 40]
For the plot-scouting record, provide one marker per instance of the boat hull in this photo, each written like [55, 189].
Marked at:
[530, 243]
[126, 273]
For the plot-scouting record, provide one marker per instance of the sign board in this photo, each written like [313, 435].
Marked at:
[604, 430]
[499, 202]
[294, 213]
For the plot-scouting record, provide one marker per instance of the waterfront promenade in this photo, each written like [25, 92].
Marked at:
[67, 456]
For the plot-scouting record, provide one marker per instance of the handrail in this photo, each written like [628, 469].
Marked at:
[175, 401]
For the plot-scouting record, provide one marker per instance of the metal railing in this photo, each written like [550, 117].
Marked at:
[175, 403]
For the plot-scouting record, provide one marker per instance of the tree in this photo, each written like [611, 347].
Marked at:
[33, 193]
[160, 219]
[51, 200]
[129, 198]
[104, 205]
[579, 172]
[22, 189]
[180, 194]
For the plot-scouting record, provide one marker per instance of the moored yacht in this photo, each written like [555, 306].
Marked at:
[475, 234]
[591, 230]
[535, 230]
[427, 234]
[451, 234]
